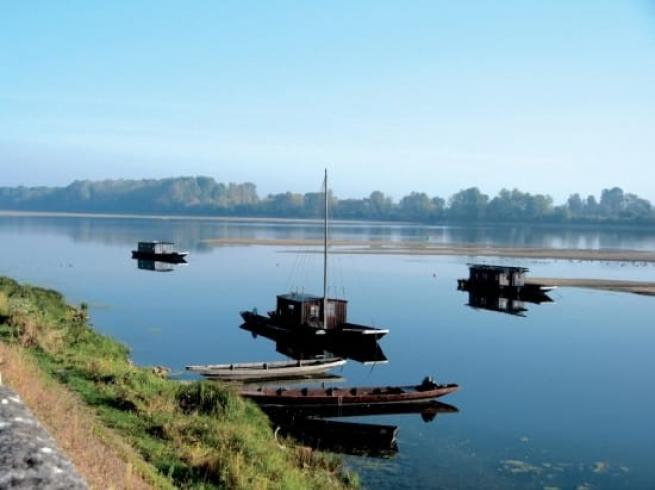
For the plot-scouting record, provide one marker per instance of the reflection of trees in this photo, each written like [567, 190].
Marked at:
[189, 234]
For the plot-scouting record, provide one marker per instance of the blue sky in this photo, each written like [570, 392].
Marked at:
[552, 97]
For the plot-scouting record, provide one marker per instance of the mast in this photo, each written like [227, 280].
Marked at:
[325, 253]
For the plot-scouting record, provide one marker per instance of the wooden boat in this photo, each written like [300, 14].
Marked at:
[308, 316]
[343, 437]
[508, 281]
[333, 396]
[268, 370]
[427, 409]
[159, 251]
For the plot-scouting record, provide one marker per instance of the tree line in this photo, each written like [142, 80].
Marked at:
[205, 196]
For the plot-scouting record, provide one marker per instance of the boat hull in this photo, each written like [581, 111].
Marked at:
[348, 332]
[531, 293]
[267, 371]
[335, 397]
[343, 437]
[428, 409]
[174, 257]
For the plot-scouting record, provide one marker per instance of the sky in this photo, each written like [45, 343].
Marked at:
[434, 96]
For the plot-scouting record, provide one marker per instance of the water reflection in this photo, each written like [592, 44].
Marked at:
[315, 426]
[157, 265]
[366, 350]
[360, 439]
[511, 305]
[509, 301]
[192, 233]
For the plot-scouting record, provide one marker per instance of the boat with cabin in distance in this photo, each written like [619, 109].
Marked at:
[302, 368]
[355, 396]
[159, 251]
[310, 316]
[507, 281]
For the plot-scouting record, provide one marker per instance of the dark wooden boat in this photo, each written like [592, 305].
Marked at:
[278, 321]
[268, 370]
[427, 409]
[308, 316]
[362, 396]
[159, 251]
[506, 281]
[343, 437]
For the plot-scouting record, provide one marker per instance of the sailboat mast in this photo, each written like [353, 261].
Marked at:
[325, 253]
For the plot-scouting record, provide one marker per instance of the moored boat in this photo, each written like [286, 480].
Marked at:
[343, 437]
[309, 316]
[509, 281]
[268, 370]
[334, 396]
[427, 409]
[159, 251]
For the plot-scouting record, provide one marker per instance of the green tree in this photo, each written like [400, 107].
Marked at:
[468, 205]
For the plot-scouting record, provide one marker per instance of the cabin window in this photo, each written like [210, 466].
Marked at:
[313, 310]
[330, 309]
[291, 307]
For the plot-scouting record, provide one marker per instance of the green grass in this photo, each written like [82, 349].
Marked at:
[197, 435]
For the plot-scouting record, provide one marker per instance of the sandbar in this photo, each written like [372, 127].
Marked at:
[372, 247]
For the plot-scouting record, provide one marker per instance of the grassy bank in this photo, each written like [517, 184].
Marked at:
[198, 435]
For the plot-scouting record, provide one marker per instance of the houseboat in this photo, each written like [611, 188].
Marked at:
[158, 251]
[310, 316]
[508, 281]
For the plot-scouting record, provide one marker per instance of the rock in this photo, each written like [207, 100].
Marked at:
[29, 457]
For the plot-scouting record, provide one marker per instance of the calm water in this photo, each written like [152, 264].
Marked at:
[561, 398]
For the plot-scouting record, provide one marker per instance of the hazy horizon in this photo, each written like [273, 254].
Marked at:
[432, 97]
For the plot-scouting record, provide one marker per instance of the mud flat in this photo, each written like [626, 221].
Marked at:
[368, 247]
[637, 287]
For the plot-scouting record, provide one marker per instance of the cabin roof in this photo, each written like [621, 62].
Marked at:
[497, 268]
[154, 242]
[299, 297]
[306, 298]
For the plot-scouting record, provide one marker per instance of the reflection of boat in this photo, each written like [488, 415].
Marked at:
[344, 437]
[333, 396]
[428, 410]
[308, 425]
[495, 302]
[508, 300]
[159, 251]
[268, 370]
[365, 350]
[502, 289]
[308, 316]
[154, 265]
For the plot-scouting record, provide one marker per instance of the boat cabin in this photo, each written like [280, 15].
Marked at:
[156, 247]
[496, 276]
[297, 309]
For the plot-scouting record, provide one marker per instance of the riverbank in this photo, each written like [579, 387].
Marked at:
[636, 287]
[372, 247]
[157, 432]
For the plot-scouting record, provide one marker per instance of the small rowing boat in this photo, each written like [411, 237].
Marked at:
[268, 370]
[356, 396]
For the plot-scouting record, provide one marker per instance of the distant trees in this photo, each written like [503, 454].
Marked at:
[468, 205]
[205, 196]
